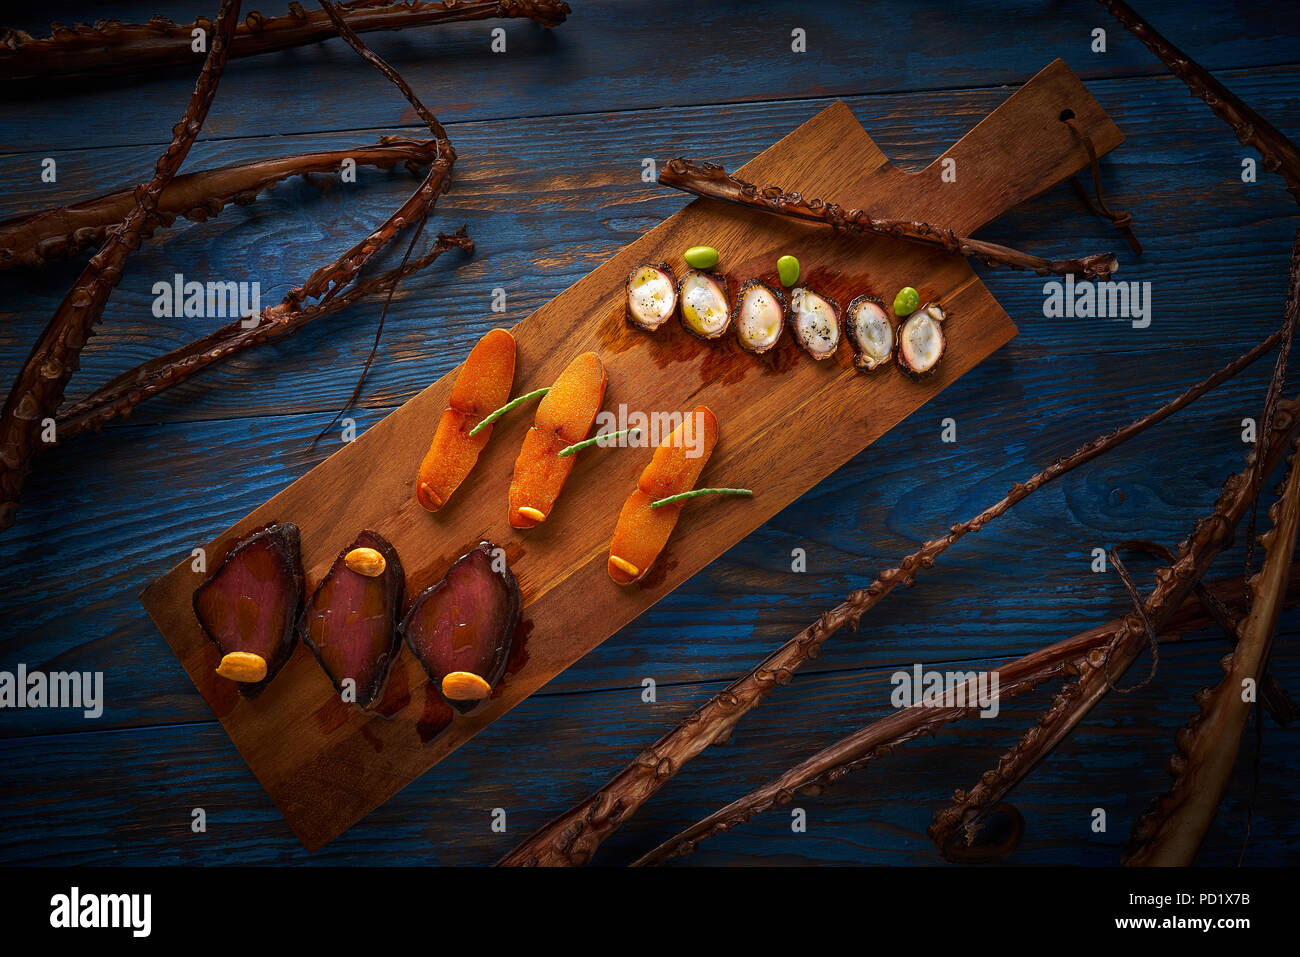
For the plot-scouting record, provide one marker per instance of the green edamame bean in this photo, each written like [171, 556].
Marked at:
[907, 301]
[787, 268]
[701, 257]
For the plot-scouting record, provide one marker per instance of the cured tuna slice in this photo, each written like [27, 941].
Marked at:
[249, 606]
[461, 629]
[350, 622]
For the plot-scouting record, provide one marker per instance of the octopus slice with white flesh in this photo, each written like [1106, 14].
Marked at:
[704, 307]
[870, 333]
[921, 340]
[651, 296]
[760, 316]
[816, 322]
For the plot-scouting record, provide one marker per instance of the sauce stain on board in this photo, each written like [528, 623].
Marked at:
[518, 650]
[371, 737]
[331, 715]
[436, 716]
[658, 572]
[225, 694]
[397, 690]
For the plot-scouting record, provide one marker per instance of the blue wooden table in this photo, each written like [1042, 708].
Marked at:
[551, 135]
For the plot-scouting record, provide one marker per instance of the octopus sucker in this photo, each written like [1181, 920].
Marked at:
[921, 341]
[870, 332]
[249, 606]
[703, 304]
[462, 628]
[815, 321]
[760, 316]
[651, 295]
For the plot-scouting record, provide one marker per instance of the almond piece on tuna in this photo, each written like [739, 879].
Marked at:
[366, 561]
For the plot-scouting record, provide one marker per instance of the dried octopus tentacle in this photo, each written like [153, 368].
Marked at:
[134, 386]
[1272, 695]
[959, 823]
[1275, 386]
[1279, 154]
[379, 331]
[573, 837]
[1153, 640]
[329, 279]
[714, 182]
[111, 46]
[880, 738]
[120, 396]
[32, 239]
[38, 390]
[1279, 705]
[1171, 830]
[1122, 221]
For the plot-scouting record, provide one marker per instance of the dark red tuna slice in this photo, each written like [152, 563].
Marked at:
[463, 627]
[350, 622]
[251, 603]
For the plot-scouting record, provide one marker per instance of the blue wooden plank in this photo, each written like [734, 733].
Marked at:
[611, 56]
[126, 797]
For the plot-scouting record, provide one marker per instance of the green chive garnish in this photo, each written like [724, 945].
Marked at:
[537, 394]
[701, 491]
[595, 440]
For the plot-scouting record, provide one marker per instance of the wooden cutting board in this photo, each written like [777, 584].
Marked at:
[786, 423]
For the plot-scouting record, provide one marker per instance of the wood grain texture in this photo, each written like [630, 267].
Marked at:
[104, 798]
[111, 512]
[325, 764]
[612, 56]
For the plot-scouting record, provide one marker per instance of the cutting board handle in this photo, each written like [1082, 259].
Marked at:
[1019, 150]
